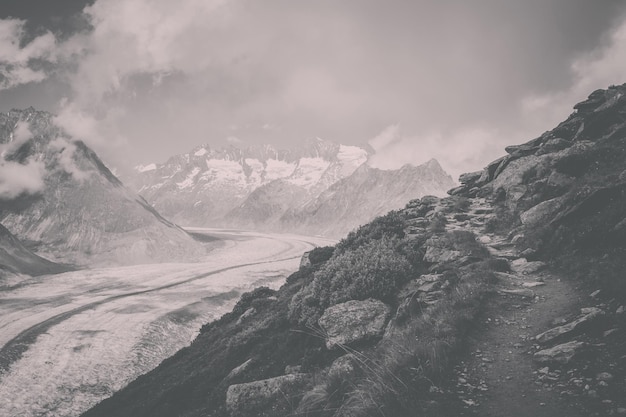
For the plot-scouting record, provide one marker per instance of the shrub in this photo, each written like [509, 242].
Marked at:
[391, 224]
[322, 254]
[373, 270]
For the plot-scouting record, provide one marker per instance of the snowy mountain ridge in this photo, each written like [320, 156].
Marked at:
[262, 187]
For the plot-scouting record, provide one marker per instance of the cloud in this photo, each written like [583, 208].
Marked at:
[17, 179]
[152, 78]
[591, 71]
[385, 138]
[66, 149]
[16, 61]
[457, 151]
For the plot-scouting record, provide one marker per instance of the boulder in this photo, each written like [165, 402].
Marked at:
[562, 354]
[541, 213]
[452, 246]
[293, 369]
[354, 321]
[569, 328]
[470, 177]
[522, 266]
[553, 145]
[559, 180]
[281, 392]
[344, 367]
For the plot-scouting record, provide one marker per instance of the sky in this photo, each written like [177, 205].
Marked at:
[455, 80]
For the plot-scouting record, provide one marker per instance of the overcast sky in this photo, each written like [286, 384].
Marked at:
[141, 80]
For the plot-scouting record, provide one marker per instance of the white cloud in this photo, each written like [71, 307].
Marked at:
[15, 60]
[592, 71]
[17, 179]
[65, 158]
[457, 151]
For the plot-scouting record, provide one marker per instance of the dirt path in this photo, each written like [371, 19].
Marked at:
[497, 376]
[499, 363]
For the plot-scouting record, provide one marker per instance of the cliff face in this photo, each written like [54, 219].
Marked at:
[82, 212]
[389, 320]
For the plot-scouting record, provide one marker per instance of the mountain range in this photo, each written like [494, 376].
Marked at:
[319, 188]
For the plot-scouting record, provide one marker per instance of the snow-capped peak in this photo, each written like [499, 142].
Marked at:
[145, 168]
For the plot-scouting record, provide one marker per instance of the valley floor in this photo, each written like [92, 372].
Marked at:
[72, 339]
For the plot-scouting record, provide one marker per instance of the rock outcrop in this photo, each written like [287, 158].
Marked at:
[571, 327]
[281, 392]
[563, 353]
[354, 321]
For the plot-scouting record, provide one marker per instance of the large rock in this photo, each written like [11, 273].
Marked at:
[542, 212]
[354, 321]
[562, 354]
[569, 328]
[281, 392]
[452, 246]
[522, 266]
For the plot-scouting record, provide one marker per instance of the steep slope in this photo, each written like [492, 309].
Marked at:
[564, 193]
[203, 186]
[17, 259]
[367, 193]
[443, 308]
[83, 212]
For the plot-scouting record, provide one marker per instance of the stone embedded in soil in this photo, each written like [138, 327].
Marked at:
[522, 266]
[354, 321]
[246, 398]
[524, 293]
[570, 327]
[533, 284]
[563, 353]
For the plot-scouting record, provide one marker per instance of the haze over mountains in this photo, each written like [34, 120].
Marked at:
[63, 203]
[320, 188]
[76, 210]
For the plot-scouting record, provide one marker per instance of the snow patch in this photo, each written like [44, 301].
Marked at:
[276, 169]
[309, 172]
[145, 168]
[188, 182]
[201, 152]
[222, 170]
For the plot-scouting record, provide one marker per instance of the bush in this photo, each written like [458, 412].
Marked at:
[391, 224]
[373, 270]
[322, 254]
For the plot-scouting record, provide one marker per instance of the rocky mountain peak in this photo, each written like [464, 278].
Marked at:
[78, 211]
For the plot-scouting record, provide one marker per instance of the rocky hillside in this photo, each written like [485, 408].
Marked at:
[321, 188]
[81, 212]
[505, 298]
[367, 193]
